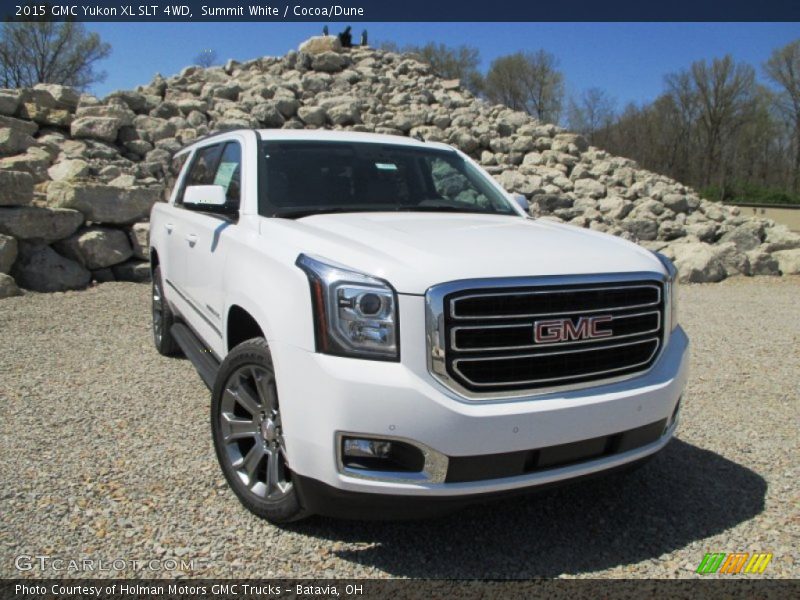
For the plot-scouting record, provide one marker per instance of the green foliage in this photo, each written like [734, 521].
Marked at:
[749, 193]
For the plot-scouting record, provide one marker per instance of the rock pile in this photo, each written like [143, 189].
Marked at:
[78, 175]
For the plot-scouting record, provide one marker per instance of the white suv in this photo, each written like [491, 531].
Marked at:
[384, 328]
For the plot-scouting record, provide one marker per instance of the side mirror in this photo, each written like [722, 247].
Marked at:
[211, 196]
[521, 201]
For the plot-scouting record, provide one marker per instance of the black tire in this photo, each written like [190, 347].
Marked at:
[163, 319]
[248, 434]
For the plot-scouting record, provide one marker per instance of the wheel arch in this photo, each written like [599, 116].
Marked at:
[241, 325]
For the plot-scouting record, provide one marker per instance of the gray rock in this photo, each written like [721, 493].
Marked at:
[19, 125]
[268, 115]
[643, 229]
[133, 270]
[96, 247]
[97, 128]
[762, 263]
[69, 169]
[781, 238]
[38, 224]
[16, 188]
[42, 269]
[590, 188]
[697, 263]
[152, 129]
[328, 62]
[65, 97]
[9, 101]
[788, 261]
[676, 202]
[140, 240]
[8, 287]
[746, 236]
[8, 252]
[320, 44]
[313, 115]
[13, 141]
[104, 203]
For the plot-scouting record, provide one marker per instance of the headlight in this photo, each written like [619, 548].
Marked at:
[671, 289]
[354, 314]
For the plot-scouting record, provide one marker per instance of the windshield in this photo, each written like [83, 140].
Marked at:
[310, 177]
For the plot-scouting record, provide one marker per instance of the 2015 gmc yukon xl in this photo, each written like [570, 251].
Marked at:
[385, 331]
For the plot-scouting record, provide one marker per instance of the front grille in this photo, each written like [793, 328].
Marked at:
[586, 332]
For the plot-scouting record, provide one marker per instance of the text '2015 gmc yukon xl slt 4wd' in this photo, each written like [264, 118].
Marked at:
[386, 332]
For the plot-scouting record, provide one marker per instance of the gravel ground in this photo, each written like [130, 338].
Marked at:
[106, 453]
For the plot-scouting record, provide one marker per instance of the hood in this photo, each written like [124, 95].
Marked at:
[414, 251]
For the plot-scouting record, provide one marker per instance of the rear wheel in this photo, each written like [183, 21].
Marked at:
[249, 435]
[163, 319]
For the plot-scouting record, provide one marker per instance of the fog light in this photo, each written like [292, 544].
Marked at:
[354, 447]
[371, 454]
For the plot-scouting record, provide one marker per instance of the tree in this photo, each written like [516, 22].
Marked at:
[49, 52]
[591, 112]
[528, 81]
[725, 93]
[783, 69]
[206, 58]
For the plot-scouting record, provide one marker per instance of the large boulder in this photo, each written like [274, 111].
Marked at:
[8, 287]
[42, 269]
[697, 263]
[8, 252]
[13, 141]
[74, 168]
[781, 238]
[97, 128]
[132, 270]
[104, 203]
[747, 236]
[321, 43]
[96, 247]
[328, 62]
[39, 224]
[63, 96]
[788, 261]
[16, 188]
[140, 240]
[19, 125]
[762, 263]
[9, 101]
[313, 115]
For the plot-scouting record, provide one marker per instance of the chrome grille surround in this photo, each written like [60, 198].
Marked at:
[438, 300]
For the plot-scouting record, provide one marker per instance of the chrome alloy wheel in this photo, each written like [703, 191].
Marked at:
[252, 433]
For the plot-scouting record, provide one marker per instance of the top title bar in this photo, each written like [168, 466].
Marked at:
[407, 10]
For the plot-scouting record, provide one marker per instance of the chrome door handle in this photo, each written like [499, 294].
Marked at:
[192, 239]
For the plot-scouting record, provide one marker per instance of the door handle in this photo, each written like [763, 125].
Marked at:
[169, 227]
[192, 239]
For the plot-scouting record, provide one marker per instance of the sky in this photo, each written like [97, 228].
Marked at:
[627, 60]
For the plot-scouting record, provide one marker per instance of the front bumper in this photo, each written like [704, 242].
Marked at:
[322, 396]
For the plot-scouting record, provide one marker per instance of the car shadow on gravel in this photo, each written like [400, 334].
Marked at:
[683, 495]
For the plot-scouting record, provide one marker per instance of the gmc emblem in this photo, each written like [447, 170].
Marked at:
[564, 330]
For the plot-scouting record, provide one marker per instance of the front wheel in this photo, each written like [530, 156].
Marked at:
[249, 435]
[163, 319]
